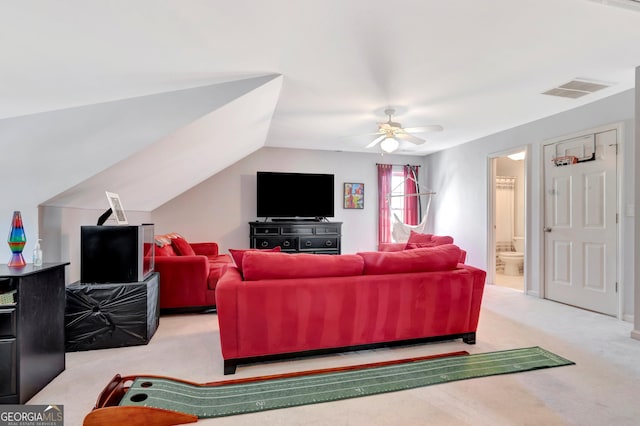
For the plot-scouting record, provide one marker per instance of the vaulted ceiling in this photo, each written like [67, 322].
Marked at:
[152, 82]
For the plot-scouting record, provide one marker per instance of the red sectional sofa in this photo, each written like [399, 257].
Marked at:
[189, 272]
[281, 305]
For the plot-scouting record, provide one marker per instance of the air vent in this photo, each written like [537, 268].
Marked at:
[576, 88]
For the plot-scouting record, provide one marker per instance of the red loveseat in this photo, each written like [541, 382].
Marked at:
[189, 272]
[282, 305]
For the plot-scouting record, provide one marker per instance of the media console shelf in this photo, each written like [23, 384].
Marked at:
[297, 236]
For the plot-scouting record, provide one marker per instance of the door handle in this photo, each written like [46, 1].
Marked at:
[547, 229]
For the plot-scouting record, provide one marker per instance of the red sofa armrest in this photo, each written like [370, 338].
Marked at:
[183, 280]
[205, 249]
[479, 278]
[227, 306]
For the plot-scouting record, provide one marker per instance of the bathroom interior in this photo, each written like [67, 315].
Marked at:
[510, 220]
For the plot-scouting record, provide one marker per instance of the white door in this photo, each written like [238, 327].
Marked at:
[581, 222]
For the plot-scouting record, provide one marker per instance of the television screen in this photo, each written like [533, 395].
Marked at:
[294, 195]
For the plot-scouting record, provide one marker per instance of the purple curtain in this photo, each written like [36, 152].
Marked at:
[411, 202]
[384, 205]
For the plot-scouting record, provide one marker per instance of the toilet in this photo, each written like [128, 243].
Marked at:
[513, 260]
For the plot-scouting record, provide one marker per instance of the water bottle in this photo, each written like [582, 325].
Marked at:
[37, 254]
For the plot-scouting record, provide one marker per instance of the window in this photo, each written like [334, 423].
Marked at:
[397, 196]
[397, 193]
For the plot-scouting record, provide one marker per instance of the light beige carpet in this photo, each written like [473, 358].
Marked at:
[603, 388]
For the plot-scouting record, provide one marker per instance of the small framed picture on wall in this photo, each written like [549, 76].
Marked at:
[353, 195]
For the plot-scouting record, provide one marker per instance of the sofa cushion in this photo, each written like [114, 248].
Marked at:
[417, 237]
[209, 249]
[259, 265]
[165, 239]
[238, 254]
[220, 259]
[163, 245]
[215, 272]
[442, 239]
[417, 240]
[166, 250]
[427, 259]
[433, 243]
[182, 247]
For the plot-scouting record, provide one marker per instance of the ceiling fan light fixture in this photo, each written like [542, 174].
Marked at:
[389, 145]
[391, 133]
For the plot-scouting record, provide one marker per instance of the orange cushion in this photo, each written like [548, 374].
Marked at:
[238, 255]
[258, 265]
[439, 258]
[182, 247]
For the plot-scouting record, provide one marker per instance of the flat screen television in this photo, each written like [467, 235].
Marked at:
[294, 195]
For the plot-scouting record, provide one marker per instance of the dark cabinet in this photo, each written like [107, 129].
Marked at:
[31, 329]
[8, 367]
[297, 237]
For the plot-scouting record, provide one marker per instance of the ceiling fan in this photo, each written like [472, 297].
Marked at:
[390, 132]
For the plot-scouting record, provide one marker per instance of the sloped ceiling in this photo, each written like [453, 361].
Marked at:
[119, 95]
[148, 149]
[237, 125]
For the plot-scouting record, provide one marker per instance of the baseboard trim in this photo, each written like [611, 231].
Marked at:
[635, 334]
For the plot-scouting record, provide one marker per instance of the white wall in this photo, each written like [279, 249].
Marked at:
[459, 176]
[220, 208]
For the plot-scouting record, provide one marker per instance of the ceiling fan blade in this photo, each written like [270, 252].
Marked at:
[375, 141]
[409, 138]
[424, 129]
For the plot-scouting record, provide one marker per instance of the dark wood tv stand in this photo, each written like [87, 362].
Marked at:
[297, 236]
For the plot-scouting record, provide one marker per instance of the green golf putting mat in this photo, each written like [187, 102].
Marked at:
[226, 400]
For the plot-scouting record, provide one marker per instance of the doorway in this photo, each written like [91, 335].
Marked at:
[508, 195]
